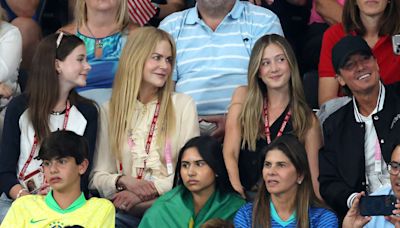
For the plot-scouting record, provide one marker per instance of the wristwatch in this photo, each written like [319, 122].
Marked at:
[119, 187]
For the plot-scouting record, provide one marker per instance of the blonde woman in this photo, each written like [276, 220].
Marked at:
[104, 27]
[143, 126]
[271, 105]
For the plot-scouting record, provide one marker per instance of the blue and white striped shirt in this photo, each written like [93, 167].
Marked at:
[211, 64]
[318, 218]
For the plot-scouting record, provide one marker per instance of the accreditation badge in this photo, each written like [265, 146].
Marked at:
[33, 181]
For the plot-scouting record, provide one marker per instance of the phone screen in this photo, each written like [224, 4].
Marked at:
[377, 205]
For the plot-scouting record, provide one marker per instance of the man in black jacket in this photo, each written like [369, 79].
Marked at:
[358, 137]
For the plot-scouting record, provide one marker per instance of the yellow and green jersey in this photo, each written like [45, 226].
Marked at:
[43, 211]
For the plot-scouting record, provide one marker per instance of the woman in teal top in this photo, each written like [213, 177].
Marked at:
[104, 66]
[203, 192]
[103, 28]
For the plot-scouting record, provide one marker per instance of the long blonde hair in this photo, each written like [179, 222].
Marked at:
[251, 114]
[122, 18]
[126, 87]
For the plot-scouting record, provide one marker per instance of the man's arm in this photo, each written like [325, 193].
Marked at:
[332, 187]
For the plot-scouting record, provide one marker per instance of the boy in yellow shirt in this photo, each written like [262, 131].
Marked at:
[64, 156]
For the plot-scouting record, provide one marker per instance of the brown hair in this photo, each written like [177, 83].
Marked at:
[43, 84]
[389, 22]
[305, 196]
[217, 223]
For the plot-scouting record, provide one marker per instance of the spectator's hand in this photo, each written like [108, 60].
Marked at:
[353, 219]
[5, 90]
[395, 218]
[144, 189]
[125, 200]
[24, 193]
[219, 120]
[239, 189]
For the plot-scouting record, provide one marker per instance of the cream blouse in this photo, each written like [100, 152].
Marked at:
[105, 169]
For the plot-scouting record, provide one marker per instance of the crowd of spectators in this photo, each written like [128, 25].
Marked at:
[202, 117]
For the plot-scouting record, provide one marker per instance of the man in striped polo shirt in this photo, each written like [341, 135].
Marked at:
[214, 41]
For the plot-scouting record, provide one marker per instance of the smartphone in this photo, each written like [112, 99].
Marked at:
[396, 44]
[377, 205]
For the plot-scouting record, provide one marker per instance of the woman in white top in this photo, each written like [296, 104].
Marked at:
[49, 103]
[143, 126]
[10, 58]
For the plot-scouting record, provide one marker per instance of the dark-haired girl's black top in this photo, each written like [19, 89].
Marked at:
[250, 162]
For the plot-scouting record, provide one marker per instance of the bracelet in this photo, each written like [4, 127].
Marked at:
[119, 187]
[20, 192]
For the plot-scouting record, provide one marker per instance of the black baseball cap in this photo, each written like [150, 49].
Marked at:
[346, 47]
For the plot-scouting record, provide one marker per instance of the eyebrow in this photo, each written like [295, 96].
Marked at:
[276, 162]
[156, 53]
[192, 161]
[278, 55]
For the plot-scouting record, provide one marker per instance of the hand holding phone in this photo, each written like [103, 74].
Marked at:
[377, 205]
[353, 219]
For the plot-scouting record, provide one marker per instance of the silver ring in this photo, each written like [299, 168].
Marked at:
[122, 207]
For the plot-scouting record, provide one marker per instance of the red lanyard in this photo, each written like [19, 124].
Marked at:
[140, 171]
[21, 175]
[266, 123]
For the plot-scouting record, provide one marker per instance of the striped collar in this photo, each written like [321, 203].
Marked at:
[193, 16]
[379, 106]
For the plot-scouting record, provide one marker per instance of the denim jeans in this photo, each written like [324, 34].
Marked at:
[5, 204]
[123, 220]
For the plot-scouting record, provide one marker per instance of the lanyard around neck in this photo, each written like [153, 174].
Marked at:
[266, 122]
[140, 171]
[21, 175]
